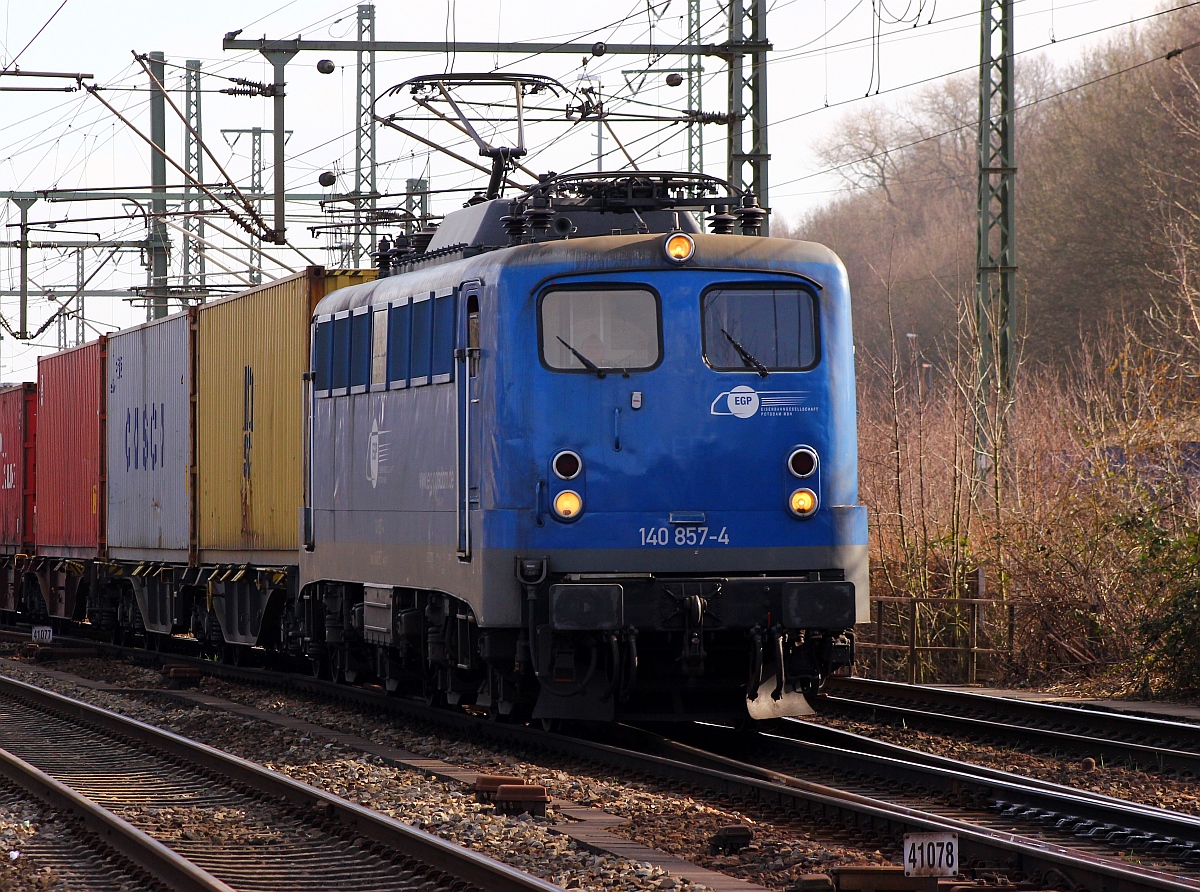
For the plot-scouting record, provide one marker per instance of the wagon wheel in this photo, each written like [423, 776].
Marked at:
[235, 654]
[339, 659]
[431, 694]
[319, 666]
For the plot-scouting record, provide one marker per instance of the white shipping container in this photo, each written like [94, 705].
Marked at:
[150, 441]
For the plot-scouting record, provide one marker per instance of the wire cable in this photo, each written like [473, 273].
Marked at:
[15, 58]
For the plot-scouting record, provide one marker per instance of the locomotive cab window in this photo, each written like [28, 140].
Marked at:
[600, 329]
[759, 329]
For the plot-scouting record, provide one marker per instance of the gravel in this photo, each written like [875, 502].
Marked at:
[675, 823]
[20, 821]
[39, 852]
[656, 816]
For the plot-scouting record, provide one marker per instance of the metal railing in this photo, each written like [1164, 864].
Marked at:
[947, 640]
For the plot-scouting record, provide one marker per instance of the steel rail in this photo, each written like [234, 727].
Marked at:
[1029, 800]
[797, 729]
[879, 821]
[432, 851]
[1085, 716]
[1061, 728]
[143, 850]
[876, 819]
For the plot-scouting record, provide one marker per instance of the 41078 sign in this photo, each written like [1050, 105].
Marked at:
[930, 854]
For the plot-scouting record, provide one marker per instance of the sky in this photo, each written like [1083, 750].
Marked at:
[830, 58]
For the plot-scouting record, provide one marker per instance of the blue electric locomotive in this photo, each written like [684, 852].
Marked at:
[570, 457]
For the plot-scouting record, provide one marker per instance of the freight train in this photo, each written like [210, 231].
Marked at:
[565, 456]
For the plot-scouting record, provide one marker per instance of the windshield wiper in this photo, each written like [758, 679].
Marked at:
[587, 363]
[746, 355]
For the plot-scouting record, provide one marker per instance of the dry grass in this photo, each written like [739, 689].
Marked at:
[1079, 532]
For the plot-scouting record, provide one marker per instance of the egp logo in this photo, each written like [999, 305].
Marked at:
[744, 401]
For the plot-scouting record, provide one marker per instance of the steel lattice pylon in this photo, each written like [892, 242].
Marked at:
[256, 188]
[160, 247]
[996, 284]
[416, 204]
[193, 163]
[748, 100]
[364, 236]
[695, 76]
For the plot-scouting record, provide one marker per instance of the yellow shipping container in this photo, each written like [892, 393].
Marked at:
[251, 354]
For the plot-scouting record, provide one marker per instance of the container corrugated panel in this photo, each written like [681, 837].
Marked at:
[251, 354]
[18, 426]
[70, 452]
[149, 441]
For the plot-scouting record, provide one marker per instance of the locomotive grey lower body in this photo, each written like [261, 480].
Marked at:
[538, 637]
[574, 645]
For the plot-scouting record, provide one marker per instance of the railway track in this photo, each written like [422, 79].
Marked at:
[991, 840]
[194, 818]
[779, 795]
[62, 844]
[962, 791]
[1149, 743]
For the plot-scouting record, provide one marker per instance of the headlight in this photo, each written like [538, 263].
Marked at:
[568, 504]
[803, 502]
[679, 247]
[802, 462]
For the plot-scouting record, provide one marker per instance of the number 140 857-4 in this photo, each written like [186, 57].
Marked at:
[685, 536]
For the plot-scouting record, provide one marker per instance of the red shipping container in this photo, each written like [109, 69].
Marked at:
[70, 452]
[18, 430]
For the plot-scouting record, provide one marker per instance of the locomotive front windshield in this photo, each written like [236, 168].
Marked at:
[589, 329]
[759, 329]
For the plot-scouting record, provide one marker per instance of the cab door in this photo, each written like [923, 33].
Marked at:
[466, 357]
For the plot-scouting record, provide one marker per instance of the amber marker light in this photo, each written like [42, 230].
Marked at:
[679, 247]
[803, 502]
[567, 505]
